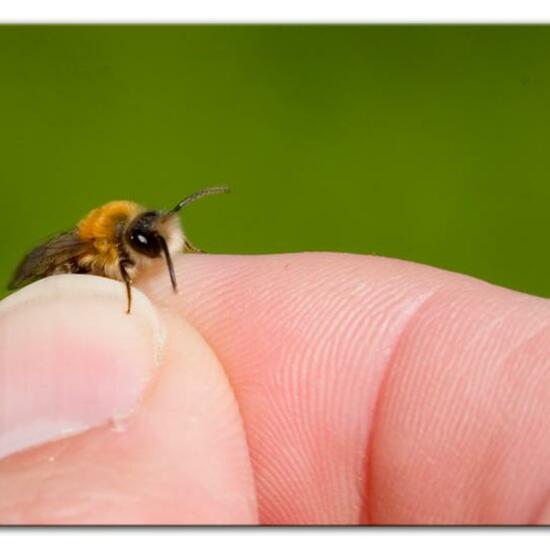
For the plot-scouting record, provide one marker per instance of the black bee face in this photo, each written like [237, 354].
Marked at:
[142, 235]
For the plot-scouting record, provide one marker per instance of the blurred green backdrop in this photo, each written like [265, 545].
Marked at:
[423, 143]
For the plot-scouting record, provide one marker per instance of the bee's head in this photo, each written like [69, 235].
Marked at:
[153, 234]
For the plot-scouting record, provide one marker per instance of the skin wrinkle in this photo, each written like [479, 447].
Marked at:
[343, 307]
[499, 448]
[506, 334]
[416, 309]
[416, 420]
[511, 364]
[365, 512]
[377, 342]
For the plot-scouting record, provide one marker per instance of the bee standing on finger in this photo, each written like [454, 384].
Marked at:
[116, 241]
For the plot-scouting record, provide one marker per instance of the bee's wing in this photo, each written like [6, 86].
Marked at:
[44, 259]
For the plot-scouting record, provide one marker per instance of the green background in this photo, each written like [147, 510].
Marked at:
[423, 143]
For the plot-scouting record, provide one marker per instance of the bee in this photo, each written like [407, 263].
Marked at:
[116, 240]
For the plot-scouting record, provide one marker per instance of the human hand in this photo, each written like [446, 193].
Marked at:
[288, 389]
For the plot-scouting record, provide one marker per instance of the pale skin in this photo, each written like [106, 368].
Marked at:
[292, 389]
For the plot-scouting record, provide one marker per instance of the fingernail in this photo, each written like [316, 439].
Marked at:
[71, 358]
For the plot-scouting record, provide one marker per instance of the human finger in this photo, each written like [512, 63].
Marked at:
[375, 390]
[114, 418]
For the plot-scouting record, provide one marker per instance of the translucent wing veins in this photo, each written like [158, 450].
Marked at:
[45, 258]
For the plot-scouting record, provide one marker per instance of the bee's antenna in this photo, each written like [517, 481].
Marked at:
[198, 195]
[169, 263]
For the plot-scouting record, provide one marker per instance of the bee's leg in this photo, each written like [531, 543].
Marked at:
[128, 282]
[190, 247]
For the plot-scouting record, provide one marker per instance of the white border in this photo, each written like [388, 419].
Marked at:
[275, 11]
[273, 539]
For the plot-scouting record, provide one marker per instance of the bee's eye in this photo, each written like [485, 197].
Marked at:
[146, 243]
[142, 235]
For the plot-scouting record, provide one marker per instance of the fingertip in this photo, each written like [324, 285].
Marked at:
[70, 357]
[180, 458]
